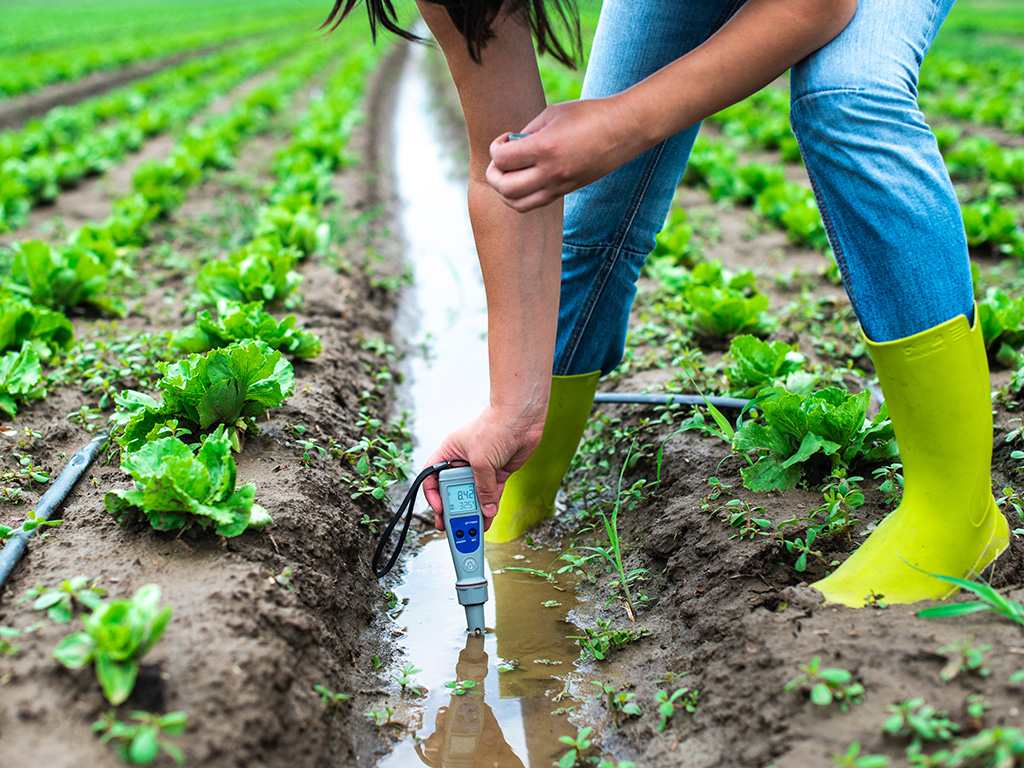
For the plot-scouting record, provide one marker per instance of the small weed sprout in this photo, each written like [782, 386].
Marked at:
[976, 707]
[60, 603]
[369, 522]
[741, 516]
[329, 698]
[380, 719]
[918, 721]
[997, 747]
[828, 685]
[577, 744]
[965, 659]
[7, 634]
[717, 489]
[283, 579]
[854, 759]
[682, 698]
[1011, 499]
[598, 643]
[619, 702]
[891, 482]
[404, 675]
[876, 601]
[141, 742]
[32, 521]
[611, 551]
[803, 548]
[842, 496]
[379, 462]
[530, 571]
[460, 687]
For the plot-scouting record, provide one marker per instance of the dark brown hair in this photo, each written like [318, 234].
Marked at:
[474, 19]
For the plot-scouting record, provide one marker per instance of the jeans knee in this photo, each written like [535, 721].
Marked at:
[850, 118]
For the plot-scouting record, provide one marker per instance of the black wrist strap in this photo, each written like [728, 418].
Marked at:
[404, 508]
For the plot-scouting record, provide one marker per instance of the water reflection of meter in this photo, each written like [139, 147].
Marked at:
[464, 524]
[463, 727]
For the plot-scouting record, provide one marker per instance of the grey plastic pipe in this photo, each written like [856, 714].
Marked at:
[662, 398]
[52, 499]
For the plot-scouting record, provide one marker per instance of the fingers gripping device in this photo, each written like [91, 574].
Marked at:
[463, 522]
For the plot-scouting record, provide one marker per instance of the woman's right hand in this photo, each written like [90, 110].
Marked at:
[496, 443]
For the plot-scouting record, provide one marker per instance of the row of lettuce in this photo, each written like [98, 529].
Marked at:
[237, 364]
[40, 47]
[69, 144]
[233, 361]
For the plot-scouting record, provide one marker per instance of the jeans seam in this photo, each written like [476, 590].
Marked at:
[608, 266]
[727, 11]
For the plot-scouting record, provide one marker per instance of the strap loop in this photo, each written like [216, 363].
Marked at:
[406, 508]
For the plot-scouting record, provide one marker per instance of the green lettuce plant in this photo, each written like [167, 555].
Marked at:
[296, 221]
[117, 635]
[721, 313]
[62, 278]
[1002, 326]
[243, 322]
[21, 321]
[828, 427]
[229, 386]
[262, 270]
[753, 364]
[177, 487]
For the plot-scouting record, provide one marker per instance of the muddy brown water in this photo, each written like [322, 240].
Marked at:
[505, 718]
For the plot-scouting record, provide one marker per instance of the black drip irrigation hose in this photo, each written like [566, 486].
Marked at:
[52, 499]
[664, 398]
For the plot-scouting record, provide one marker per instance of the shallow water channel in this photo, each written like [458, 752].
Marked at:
[506, 718]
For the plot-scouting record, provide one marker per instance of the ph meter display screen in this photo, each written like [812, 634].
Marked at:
[462, 498]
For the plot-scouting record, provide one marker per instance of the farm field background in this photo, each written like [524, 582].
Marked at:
[177, 179]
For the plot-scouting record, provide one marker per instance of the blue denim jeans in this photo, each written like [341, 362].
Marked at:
[885, 197]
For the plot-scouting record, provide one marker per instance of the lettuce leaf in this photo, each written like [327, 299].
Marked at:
[176, 487]
[296, 221]
[21, 378]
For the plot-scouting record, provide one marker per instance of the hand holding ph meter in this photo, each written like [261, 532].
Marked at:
[464, 523]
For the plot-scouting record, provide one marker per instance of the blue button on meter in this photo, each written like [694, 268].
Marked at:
[466, 531]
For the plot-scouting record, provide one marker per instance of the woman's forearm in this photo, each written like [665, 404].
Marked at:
[520, 255]
[574, 143]
[763, 40]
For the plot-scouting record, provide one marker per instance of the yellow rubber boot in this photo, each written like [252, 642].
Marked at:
[529, 494]
[936, 385]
